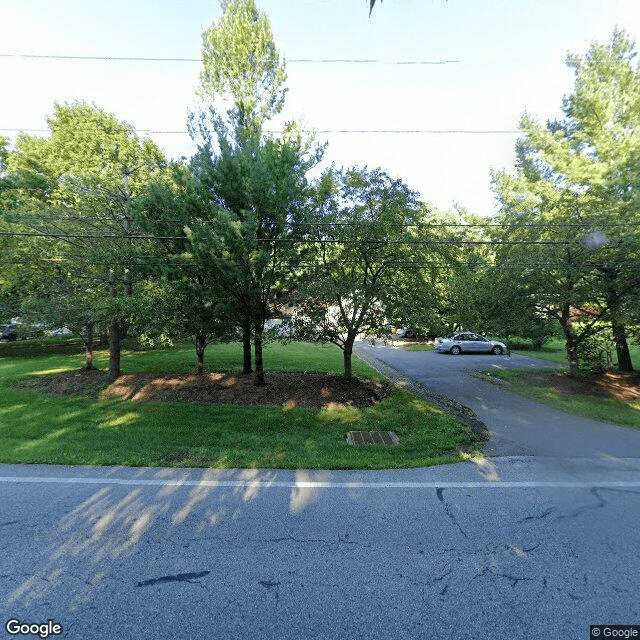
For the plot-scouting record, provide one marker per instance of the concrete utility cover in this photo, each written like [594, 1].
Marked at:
[362, 438]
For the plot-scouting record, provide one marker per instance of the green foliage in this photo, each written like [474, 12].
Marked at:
[361, 265]
[242, 70]
[596, 353]
[186, 296]
[72, 193]
[573, 196]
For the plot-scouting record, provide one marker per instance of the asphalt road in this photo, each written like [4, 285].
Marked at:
[461, 552]
[512, 547]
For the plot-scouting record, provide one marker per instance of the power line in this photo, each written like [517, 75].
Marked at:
[64, 236]
[426, 263]
[40, 56]
[318, 131]
[15, 218]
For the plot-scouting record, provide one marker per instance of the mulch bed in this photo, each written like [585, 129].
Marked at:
[618, 385]
[291, 390]
[288, 389]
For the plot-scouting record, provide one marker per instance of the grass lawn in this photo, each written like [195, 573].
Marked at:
[418, 347]
[524, 383]
[555, 351]
[48, 429]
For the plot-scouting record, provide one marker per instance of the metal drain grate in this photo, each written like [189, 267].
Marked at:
[363, 438]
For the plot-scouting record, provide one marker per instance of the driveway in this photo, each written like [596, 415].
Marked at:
[518, 427]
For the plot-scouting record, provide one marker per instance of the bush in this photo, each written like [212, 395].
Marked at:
[595, 354]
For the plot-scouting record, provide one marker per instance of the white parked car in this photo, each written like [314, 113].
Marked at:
[466, 342]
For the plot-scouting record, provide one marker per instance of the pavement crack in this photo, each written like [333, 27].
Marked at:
[268, 584]
[272, 584]
[9, 523]
[298, 540]
[447, 510]
[540, 516]
[588, 507]
[180, 577]
[514, 580]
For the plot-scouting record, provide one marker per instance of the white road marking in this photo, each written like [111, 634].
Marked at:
[310, 484]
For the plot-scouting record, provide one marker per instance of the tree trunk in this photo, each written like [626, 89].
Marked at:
[246, 344]
[622, 347]
[257, 346]
[572, 356]
[571, 344]
[201, 345]
[114, 337]
[89, 348]
[347, 352]
[114, 351]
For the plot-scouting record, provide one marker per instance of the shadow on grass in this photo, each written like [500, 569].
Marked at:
[38, 428]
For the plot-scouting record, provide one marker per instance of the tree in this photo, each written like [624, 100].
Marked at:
[242, 69]
[189, 298]
[602, 125]
[85, 175]
[574, 199]
[255, 184]
[259, 194]
[363, 262]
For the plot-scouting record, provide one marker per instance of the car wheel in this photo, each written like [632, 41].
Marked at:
[455, 350]
[497, 350]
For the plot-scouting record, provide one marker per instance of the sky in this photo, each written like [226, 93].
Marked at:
[439, 127]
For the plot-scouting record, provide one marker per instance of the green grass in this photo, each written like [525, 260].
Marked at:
[418, 347]
[624, 413]
[38, 428]
[555, 351]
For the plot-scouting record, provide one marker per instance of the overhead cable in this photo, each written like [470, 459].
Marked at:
[42, 56]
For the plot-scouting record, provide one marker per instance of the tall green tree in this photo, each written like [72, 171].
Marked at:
[243, 74]
[256, 184]
[260, 194]
[574, 199]
[189, 297]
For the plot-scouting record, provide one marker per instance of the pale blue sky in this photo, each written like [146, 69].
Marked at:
[511, 59]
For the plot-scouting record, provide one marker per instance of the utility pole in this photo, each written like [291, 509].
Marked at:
[115, 329]
[128, 286]
[114, 333]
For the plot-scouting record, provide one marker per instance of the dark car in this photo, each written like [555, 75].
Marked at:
[406, 333]
[15, 331]
[413, 334]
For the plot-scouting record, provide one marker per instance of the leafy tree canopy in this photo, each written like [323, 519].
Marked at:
[242, 66]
